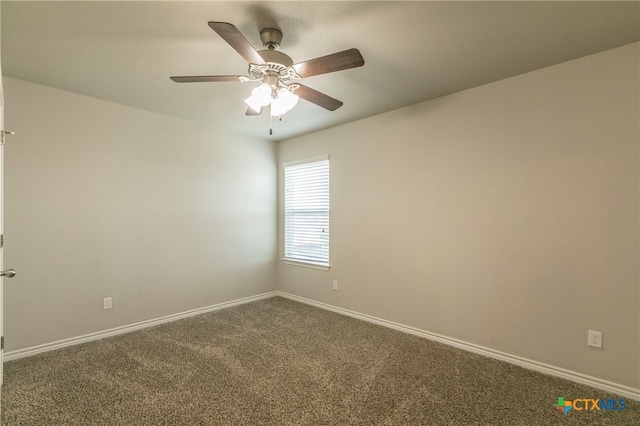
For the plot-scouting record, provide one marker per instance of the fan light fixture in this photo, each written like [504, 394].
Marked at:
[278, 75]
[281, 100]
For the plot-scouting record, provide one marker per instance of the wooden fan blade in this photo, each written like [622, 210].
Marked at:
[234, 37]
[205, 78]
[251, 111]
[346, 59]
[318, 98]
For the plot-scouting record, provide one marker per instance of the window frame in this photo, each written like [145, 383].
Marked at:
[298, 261]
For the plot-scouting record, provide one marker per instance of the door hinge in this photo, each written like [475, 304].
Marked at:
[1, 240]
[2, 343]
[4, 133]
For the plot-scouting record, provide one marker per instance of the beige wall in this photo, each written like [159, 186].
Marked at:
[103, 200]
[505, 216]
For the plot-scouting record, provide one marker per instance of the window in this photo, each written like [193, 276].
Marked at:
[306, 212]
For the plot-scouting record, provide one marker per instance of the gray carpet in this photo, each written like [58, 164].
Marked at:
[281, 362]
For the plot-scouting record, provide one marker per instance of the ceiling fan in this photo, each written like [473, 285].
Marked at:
[279, 89]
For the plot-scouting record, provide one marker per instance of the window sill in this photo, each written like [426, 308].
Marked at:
[310, 265]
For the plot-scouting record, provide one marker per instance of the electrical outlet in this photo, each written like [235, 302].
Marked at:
[594, 339]
[107, 303]
[335, 284]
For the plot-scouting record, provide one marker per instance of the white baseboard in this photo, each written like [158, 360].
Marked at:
[34, 350]
[594, 382]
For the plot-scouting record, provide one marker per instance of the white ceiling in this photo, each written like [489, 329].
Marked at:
[124, 52]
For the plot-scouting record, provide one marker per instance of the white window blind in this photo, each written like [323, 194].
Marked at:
[306, 211]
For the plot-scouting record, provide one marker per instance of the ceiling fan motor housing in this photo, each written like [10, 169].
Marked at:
[277, 63]
[273, 57]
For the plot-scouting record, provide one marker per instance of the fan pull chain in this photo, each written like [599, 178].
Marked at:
[270, 124]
